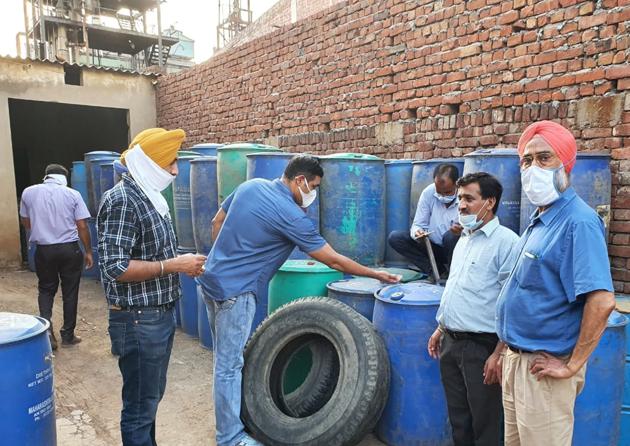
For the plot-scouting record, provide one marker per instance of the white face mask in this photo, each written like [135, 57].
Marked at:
[307, 197]
[445, 199]
[543, 186]
[470, 222]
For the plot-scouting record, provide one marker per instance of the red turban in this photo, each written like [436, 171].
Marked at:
[559, 138]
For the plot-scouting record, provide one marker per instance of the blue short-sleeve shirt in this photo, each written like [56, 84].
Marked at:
[563, 256]
[262, 226]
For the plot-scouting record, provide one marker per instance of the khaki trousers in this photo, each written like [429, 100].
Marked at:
[537, 413]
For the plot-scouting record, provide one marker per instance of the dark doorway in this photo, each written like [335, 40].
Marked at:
[48, 132]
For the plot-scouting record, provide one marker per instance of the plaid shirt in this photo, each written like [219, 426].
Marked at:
[130, 228]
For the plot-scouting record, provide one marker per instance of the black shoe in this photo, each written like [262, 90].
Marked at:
[74, 340]
[53, 341]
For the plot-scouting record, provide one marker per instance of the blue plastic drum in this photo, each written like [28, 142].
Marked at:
[93, 178]
[597, 414]
[188, 304]
[78, 180]
[415, 413]
[27, 401]
[357, 293]
[204, 200]
[182, 202]
[398, 175]
[352, 206]
[206, 148]
[504, 165]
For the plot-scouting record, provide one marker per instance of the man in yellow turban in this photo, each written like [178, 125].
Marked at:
[139, 267]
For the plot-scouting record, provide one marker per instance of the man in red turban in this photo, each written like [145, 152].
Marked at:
[554, 306]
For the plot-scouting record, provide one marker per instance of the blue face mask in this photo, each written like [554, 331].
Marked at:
[446, 199]
[470, 222]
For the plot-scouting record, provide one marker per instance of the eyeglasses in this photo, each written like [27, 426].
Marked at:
[542, 159]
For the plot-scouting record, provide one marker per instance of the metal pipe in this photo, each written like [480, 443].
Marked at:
[434, 267]
[35, 46]
[28, 47]
[159, 20]
[42, 32]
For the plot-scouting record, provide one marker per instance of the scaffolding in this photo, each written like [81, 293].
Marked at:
[239, 16]
[96, 32]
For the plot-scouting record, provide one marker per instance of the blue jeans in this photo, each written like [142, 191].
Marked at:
[230, 324]
[142, 340]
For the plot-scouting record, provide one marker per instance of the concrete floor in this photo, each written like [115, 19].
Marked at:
[88, 383]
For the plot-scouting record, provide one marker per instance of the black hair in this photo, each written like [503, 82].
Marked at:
[306, 165]
[57, 169]
[448, 170]
[489, 186]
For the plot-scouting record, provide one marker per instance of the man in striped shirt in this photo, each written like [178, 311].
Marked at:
[139, 266]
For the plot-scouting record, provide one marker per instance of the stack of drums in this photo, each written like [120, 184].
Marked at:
[504, 165]
[591, 179]
[27, 405]
[597, 408]
[352, 206]
[271, 165]
[296, 279]
[232, 165]
[415, 413]
[422, 176]
[357, 293]
[398, 178]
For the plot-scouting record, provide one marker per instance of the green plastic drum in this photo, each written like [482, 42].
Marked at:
[295, 279]
[299, 278]
[232, 165]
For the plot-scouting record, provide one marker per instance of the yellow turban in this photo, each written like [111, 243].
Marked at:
[158, 144]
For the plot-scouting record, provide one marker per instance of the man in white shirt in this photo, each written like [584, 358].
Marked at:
[465, 340]
[436, 218]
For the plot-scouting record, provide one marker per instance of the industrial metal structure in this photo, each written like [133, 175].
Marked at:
[110, 33]
[239, 16]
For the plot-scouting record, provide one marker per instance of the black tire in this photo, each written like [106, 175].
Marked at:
[360, 391]
[319, 384]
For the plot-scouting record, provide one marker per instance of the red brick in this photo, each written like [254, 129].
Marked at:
[621, 130]
[591, 21]
[618, 71]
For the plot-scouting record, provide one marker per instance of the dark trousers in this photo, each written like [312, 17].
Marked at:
[474, 408]
[142, 340]
[63, 261]
[416, 250]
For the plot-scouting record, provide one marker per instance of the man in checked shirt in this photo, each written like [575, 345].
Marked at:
[139, 266]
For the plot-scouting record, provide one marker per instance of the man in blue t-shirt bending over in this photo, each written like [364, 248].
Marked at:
[254, 232]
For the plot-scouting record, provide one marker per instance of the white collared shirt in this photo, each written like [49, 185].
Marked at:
[481, 262]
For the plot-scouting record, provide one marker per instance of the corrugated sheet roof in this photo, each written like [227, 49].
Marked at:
[89, 67]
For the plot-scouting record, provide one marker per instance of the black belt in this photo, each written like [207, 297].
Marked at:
[463, 335]
[518, 350]
[163, 307]
[58, 244]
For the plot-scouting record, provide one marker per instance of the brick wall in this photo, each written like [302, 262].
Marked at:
[284, 12]
[422, 79]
